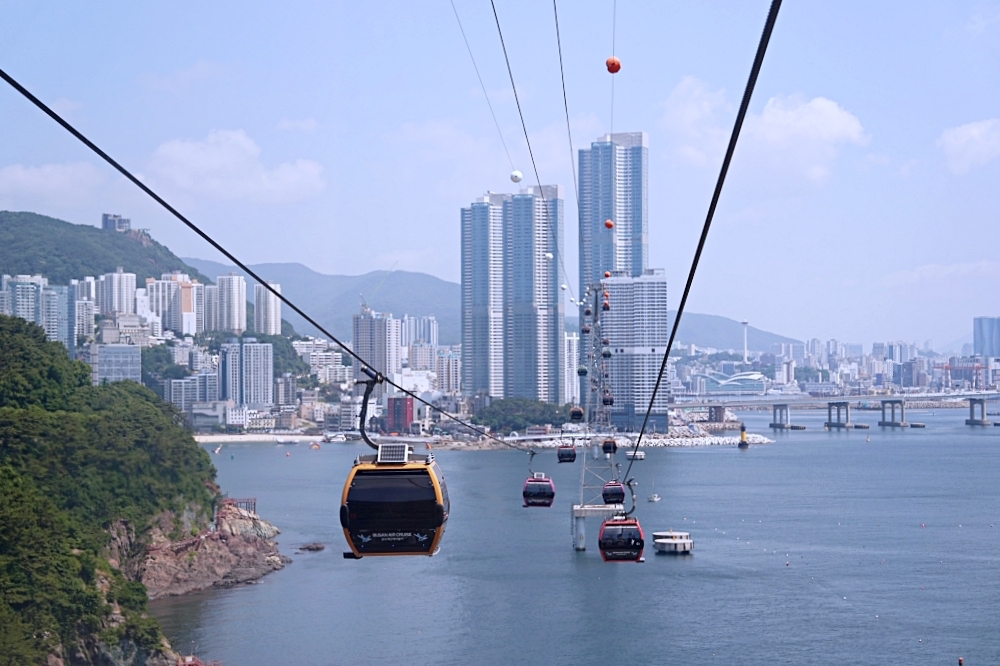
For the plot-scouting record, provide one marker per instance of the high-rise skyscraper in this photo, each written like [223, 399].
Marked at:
[211, 307]
[482, 295]
[266, 310]
[418, 329]
[375, 339]
[230, 370]
[637, 329]
[512, 317]
[613, 179]
[257, 370]
[533, 312]
[232, 303]
[986, 336]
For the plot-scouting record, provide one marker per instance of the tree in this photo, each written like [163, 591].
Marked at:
[517, 414]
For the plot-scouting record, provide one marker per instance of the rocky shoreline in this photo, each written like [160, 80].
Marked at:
[239, 550]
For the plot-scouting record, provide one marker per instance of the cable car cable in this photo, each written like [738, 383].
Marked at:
[482, 85]
[765, 37]
[562, 78]
[531, 154]
[614, 30]
[215, 244]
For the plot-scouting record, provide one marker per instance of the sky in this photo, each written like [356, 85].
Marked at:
[862, 203]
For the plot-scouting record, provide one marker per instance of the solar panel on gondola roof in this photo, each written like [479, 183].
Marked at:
[392, 453]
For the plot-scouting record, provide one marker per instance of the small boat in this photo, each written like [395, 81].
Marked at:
[653, 498]
[218, 448]
[314, 446]
[635, 455]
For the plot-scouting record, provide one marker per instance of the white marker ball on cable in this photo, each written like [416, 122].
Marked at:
[548, 255]
[563, 287]
[516, 176]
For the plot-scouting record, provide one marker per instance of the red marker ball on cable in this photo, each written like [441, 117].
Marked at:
[614, 64]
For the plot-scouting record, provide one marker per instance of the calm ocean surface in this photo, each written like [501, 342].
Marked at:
[893, 552]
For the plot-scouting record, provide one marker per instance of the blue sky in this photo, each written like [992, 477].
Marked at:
[862, 203]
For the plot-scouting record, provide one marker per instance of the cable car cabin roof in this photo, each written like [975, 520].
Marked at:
[394, 509]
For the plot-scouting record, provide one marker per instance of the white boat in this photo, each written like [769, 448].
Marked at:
[635, 455]
[218, 448]
[653, 498]
[673, 543]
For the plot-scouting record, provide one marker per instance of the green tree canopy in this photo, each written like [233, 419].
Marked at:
[517, 414]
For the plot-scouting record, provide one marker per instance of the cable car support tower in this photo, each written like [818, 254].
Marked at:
[598, 466]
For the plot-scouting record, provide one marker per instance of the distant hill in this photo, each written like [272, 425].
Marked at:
[714, 331]
[333, 299]
[61, 251]
[723, 333]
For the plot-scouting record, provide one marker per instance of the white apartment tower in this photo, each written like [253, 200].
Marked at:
[232, 303]
[117, 292]
[266, 310]
[482, 295]
[637, 328]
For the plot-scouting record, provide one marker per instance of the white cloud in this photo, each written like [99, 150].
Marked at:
[693, 115]
[299, 125]
[22, 185]
[942, 274]
[789, 133]
[226, 165]
[181, 80]
[969, 145]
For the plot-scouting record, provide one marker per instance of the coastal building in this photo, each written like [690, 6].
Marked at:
[211, 322]
[229, 371]
[637, 329]
[116, 292]
[115, 363]
[398, 413]
[111, 222]
[375, 339]
[533, 310]
[613, 180]
[232, 303]
[257, 370]
[199, 388]
[571, 356]
[482, 295]
[266, 310]
[415, 330]
[986, 336]
[448, 368]
[512, 314]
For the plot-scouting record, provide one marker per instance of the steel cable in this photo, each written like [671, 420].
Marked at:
[765, 37]
[215, 244]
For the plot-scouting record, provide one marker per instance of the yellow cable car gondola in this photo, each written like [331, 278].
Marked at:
[394, 502]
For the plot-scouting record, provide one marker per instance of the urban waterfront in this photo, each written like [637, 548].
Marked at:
[820, 548]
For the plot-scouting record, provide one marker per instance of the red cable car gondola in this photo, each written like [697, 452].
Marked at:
[566, 454]
[538, 490]
[621, 540]
[613, 492]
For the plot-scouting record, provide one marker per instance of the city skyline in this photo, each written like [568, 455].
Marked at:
[831, 171]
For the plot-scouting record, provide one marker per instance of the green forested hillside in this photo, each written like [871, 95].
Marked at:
[75, 459]
[32, 243]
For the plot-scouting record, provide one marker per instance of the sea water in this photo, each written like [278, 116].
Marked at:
[821, 548]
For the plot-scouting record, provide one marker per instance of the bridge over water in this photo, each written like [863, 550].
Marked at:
[839, 407]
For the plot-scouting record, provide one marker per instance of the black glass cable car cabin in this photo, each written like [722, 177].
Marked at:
[613, 492]
[539, 490]
[394, 508]
[621, 540]
[566, 454]
[609, 446]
